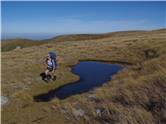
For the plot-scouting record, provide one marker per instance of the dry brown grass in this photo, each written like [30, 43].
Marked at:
[12, 44]
[136, 95]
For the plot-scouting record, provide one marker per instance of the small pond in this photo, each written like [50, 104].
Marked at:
[92, 74]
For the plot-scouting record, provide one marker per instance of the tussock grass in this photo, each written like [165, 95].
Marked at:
[136, 95]
[9, 45]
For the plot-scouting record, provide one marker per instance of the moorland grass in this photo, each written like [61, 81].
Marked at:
[136, 95]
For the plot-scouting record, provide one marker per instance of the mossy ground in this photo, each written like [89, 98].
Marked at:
[136, 95]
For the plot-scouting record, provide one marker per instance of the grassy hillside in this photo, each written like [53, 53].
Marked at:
[12, 44]
[136, 95]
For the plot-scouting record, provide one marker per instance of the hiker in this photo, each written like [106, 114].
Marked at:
[50, 63]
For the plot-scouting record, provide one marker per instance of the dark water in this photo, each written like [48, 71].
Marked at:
[92, 74]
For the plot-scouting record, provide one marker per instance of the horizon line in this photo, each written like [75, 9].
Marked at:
[67, 34]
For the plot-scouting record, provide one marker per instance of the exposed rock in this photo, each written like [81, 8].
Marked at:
[150, 53]
[105, 116]
[94, 98]
[4, 100]
[91, 96]
[18, 47]
[99, 111]
[78, 112]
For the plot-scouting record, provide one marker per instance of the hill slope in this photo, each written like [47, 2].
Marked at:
[12, 44]
[136, 95]
[18, 43]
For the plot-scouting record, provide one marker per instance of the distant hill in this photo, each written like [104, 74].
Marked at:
[8, 45]
[78, 37]
[11, 44]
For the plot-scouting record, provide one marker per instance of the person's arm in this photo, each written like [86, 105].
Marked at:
[54, 64]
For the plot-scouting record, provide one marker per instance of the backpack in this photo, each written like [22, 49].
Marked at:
[52, 55]
[53, 58]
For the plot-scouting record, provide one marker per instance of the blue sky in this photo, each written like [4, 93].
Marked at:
[50, 18]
